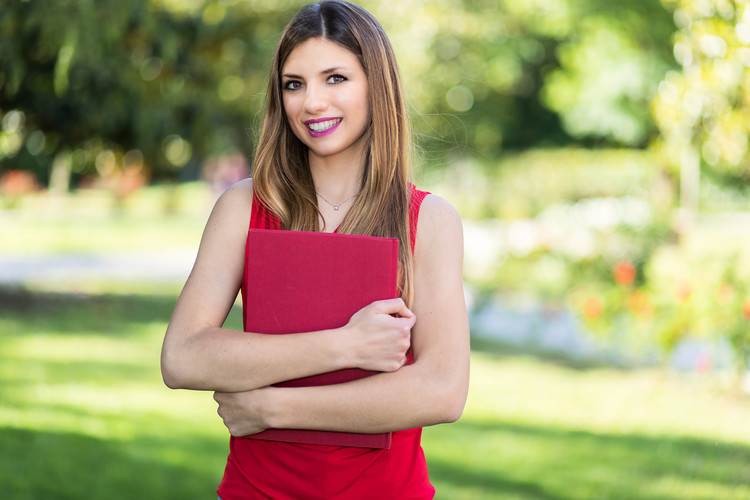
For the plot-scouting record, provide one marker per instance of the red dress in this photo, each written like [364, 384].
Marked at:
[275, 470]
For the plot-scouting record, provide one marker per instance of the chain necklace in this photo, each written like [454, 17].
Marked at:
[336, 206]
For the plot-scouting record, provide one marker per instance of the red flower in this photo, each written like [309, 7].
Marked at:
[746, 308]
[593, 308]
[624, 273]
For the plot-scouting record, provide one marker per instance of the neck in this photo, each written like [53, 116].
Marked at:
[337, 178]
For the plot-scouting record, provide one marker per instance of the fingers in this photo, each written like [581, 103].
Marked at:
[393, 306]
[408, 322]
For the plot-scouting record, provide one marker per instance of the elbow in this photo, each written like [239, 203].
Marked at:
[171, 373]
[178, 360]
[454, 414]
[452, 410]
[168, 375]
[449, 402]
[170, 380]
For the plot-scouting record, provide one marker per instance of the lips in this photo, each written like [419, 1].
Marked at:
[322, 126]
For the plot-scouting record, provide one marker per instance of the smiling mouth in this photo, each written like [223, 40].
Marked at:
[323, 126]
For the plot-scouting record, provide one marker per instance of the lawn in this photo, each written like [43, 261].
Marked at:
[83, 414]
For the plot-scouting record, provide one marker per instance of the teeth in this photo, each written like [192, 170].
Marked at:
[321, 126]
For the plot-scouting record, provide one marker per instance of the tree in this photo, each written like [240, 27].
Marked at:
[83, 83]
[703, 110]
[87, 88]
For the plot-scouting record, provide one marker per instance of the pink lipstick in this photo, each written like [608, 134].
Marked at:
[322, 126]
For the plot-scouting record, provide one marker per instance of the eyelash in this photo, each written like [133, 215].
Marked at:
[288, 85]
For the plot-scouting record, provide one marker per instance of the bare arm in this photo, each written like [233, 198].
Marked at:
[430, 391]
[198, 354]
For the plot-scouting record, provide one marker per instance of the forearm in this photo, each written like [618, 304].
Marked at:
[411, 397]
[219, 359]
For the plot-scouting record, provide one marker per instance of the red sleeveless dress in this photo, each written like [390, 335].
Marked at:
[275, 470]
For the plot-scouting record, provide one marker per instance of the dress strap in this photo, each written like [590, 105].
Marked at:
[417, 197]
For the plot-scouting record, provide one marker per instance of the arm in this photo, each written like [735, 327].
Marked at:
[430, 391]
[198, 354]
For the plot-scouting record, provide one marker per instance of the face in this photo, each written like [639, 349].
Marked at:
[325, 95]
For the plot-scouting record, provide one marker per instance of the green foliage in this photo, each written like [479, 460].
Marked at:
[610, 65]
[525, 184]
[706, 105]
[90, 81]
[592, 230]
[157, 86]
[679, 292]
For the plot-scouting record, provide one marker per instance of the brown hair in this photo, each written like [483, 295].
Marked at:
[281, 173]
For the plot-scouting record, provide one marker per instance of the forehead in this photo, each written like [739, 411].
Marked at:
[316, 55]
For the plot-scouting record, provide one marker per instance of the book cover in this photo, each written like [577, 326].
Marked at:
[297, 282]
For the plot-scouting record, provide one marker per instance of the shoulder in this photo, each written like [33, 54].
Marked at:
[435, 212]
[233, 208]
[439, 224]
[238, 193]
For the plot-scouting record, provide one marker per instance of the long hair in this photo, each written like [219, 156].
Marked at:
[281, 172]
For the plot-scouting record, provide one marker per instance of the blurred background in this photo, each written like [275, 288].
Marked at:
[598, 154]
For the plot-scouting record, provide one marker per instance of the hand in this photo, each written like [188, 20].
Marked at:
[242, 412]
[381, 335]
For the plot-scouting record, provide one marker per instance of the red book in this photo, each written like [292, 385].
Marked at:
[299, 282]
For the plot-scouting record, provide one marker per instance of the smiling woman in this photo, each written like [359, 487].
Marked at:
[334, 157]
[325, 91]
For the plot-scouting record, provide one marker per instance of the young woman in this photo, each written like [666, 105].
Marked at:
[333, 156]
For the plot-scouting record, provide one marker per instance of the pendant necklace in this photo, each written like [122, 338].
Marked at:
[336, 206]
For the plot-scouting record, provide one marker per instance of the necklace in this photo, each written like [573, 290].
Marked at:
[336, 206]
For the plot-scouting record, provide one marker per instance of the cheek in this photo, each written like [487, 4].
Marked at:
[291, 108]
[359, 101]
[364, 102]
[291, 112]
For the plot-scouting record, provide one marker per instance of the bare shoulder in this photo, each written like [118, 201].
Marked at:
[234, 204]
[227, 225]
[239, 193]
[438, 221]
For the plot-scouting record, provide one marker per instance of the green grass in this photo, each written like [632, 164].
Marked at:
[84, 414]
[91, 221]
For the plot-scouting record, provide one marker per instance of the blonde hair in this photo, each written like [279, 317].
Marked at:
[281, 173]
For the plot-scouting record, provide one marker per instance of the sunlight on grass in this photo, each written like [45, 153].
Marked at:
[52, 234]
[83, 406]
[535, 430]
[90, 221]
[648, 401]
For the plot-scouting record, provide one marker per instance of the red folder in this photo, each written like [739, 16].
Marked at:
[298, 282]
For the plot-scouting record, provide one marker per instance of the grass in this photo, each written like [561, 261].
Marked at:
[92, 222]
[83, 414]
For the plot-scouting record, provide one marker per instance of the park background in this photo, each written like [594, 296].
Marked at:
[597, 151]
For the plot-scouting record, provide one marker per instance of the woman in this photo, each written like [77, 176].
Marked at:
[333, 156]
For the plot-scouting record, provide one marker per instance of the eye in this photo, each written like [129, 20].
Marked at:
[292, 85]
[336, 79]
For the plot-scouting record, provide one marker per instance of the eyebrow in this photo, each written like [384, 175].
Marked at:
[324, 72]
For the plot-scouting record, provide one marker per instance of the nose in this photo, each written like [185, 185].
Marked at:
[315, 100]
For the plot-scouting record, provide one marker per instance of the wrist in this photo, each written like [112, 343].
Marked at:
[342, 348]
[272, 413]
